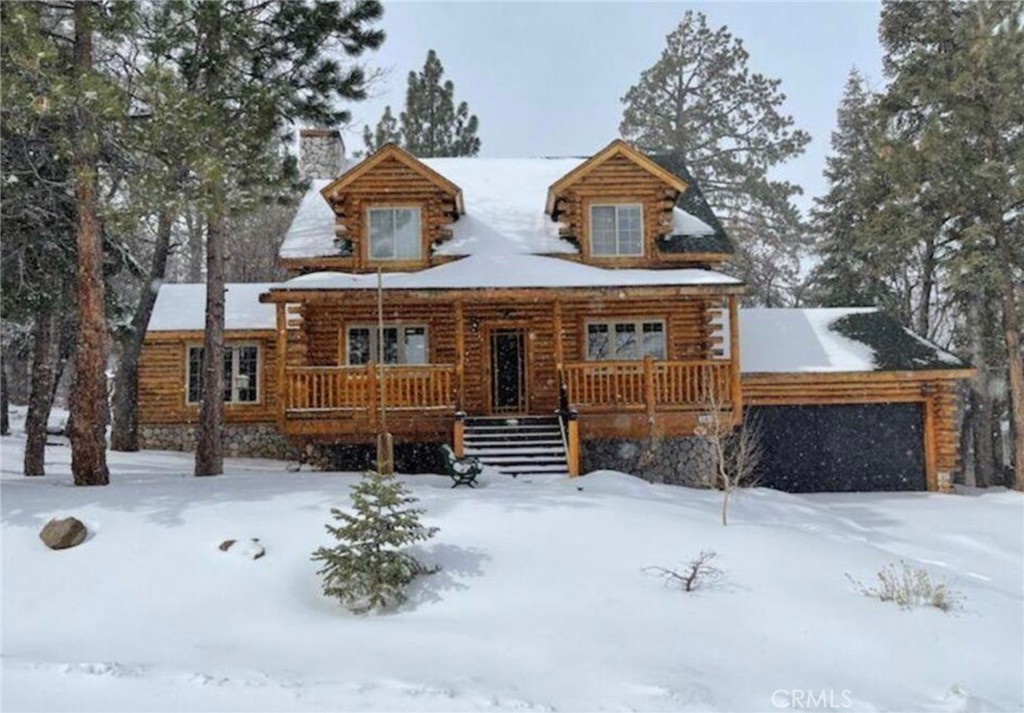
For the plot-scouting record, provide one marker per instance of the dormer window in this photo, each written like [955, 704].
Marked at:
[394, 233]
[616, 230]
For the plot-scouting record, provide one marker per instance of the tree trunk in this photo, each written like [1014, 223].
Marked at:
[5, 402]
[209, 436]
[89, 392]
[1015, 365]
[924, 312]
[194, 225]
[982, 411]
[40, 393]
[124, 432]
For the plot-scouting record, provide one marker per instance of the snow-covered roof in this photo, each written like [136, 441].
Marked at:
[833, 339]
[509, 271]
[182, 307]
[504, 199]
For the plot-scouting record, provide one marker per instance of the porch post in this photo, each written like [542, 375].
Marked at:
[649, 388]
[572, 435]
[559, 349]
[460, 358]
[459, 434]
[282, 360]
[734, 359]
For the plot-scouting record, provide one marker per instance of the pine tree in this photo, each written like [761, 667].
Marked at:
[842, 218]
[387, 132]
[432, 124]
[701, 100]
[956, 71]
[369, 569]
[245, 68]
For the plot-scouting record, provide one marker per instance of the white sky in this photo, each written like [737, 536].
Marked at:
[546, 78]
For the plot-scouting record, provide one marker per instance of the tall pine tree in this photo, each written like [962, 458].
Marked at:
[247, 68]
[432, 124]
[701, 100]
[956, 70]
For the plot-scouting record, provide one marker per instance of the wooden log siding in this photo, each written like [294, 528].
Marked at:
[391, 184]
[163, 374]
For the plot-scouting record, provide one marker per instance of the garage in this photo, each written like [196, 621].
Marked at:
[841, 448]
[848, 400]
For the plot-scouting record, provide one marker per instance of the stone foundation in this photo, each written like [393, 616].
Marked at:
[678, 461]
[249, 440]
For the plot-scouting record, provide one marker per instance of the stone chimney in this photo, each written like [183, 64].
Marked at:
[321, 153]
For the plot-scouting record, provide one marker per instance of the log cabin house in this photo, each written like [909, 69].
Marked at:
[549, 316]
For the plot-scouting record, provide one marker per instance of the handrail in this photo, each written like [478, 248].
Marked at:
[650, 384]
[346, 388]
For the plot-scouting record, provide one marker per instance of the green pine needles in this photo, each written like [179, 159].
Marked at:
[369, 569]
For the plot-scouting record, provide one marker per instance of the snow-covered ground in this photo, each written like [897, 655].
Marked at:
[541, 604]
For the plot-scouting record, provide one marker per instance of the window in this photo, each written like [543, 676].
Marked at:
[394, 233]
[402, 345]
[625, 341]
[616, 230]
[241, 374]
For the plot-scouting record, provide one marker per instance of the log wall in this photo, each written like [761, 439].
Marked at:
[163, 373]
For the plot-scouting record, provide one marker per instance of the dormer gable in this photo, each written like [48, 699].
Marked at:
[617, 149]
[391, 210]
[380, 158]
[621, 208]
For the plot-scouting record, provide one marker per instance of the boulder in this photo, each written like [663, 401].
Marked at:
[60, 534]
[252, 549]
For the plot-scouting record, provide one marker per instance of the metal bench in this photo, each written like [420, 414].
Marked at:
[462, 471]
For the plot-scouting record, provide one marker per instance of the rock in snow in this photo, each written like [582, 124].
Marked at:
[60, 534]
[251, 549]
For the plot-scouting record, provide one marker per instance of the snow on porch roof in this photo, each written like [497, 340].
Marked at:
[504, 200]
[182, 307]
[509, 271]
[834, 339]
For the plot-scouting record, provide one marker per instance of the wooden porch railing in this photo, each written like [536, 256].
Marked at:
[649, 384]
[341, 388]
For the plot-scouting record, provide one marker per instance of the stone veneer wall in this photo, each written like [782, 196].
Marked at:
[250, 440]
[678, 461]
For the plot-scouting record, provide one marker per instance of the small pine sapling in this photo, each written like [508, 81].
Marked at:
[369, 569]
[698, 573]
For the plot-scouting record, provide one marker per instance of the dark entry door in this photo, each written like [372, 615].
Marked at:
[508, 371]
[841, 448]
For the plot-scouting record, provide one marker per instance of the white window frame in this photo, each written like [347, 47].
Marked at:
[394, 257]
[611, 323]
[232, 347]
[375, 339]
[618, 251]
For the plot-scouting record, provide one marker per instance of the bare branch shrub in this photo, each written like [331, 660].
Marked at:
[698, 573]
[909, 588]
[736, 449]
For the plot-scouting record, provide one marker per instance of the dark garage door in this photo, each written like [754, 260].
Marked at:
[841, 448]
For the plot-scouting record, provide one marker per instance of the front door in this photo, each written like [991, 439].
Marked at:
[508, 370]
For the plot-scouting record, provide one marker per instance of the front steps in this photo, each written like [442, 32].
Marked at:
[518, 445]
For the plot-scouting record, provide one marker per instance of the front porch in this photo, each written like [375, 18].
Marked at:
[507, 355]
